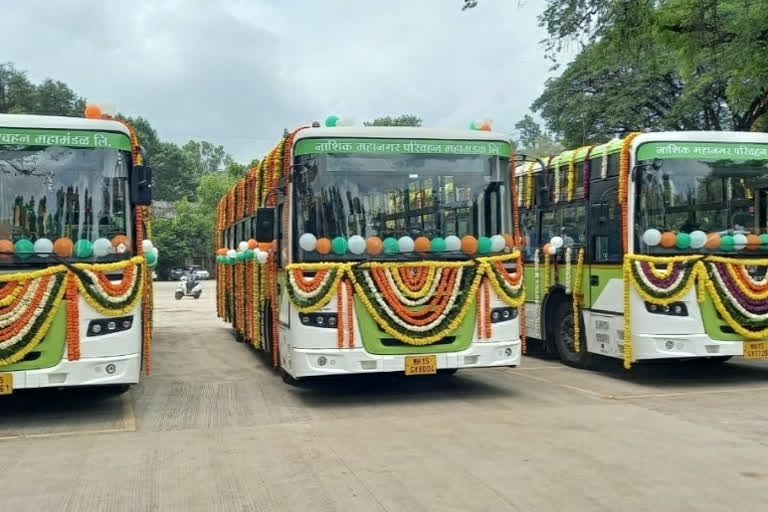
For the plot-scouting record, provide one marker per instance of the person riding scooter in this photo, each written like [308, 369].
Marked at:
[189, 285]
[192, 280]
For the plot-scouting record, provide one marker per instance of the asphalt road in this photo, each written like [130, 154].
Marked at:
[214, 428]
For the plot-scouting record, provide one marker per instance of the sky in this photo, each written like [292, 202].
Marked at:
[237, 72]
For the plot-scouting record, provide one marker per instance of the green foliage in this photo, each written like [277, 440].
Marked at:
[533, 140]
[20, 96]
[402, 120]
[656, 64]
[206, 157]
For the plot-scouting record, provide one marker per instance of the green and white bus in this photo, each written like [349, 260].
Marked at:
[658, 242]
[365, 249]
[75, 291]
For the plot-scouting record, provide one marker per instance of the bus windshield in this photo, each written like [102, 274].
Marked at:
[52, 192]
[397, 195]
[720, 198]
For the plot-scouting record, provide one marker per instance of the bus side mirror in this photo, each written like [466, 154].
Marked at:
[265, 224]
[141, 185]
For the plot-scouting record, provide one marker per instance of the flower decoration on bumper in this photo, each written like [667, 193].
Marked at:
[29, 302]
[416, 303]
[740, 299]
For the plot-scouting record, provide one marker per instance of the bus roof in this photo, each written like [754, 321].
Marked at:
[614, 145]
[400, 132]
[61, 123]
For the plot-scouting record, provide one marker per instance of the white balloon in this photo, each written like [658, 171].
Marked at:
[103, 247]
[231, 253]
[262, 257]
[108, 108]
[556, 242]
[497, 243]
[698, 239]
[552, 249]
[739, 241]
[146, 245]
[43, 245]
[356, 244]
[307, 242]
[452, 243]
[242, 246]
[652, 237]
[405, 243]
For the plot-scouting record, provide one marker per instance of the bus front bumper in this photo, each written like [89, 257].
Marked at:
[671, 346]
[314, 362]
[97, 371]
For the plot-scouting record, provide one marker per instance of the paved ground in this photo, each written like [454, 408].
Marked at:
[214, 429]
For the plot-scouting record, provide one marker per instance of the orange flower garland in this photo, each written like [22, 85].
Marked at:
[340, 315]
[487, 298]
[515, 205]
[275, 333]
[73, 319]
[350, 315]
[624, 187]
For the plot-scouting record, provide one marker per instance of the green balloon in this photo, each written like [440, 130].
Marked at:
[438, 244]
[219, 259]
[764, 242]
[391, 246]
[230, 261]
[726, 243]
[248, 254]
[683, 241]
[331, 121]
[483, 245]
[240, 257]
[151, 258]
[24, 248]
[83, 248]
[339, 245]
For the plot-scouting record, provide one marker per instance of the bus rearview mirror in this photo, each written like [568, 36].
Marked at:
[141, 185]
[265, 224]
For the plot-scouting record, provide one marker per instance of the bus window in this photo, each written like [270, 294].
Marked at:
[613, 164]
[550, 225]
[530, 234]
[574, 224]
[606, 229]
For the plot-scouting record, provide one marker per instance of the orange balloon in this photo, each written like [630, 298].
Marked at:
[545, 249]
[93, 112]
[323, 246]
[713, 241]
[753, 242]
[62, 247]
[6, 249]
[469, 244]
[265, 246]
[222, 252]
[373, 245]
[120, 239]
[252, 244]
[509, 240]
[421, 244]
[668, 239]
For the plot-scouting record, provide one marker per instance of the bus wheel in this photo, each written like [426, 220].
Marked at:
[564, 340]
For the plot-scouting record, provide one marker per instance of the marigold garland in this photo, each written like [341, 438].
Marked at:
[536, 277]
[529, 185]
[571, 177]
[577, 298]
[515, 200]
[73, 319]
[568, 276]
[350, 314]
[624, 187]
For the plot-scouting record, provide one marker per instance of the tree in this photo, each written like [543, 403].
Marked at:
[529, 129]
[402, 120]
[655, 64]
[172, 177]
[20, 96]
[206, 157]
[147, 135]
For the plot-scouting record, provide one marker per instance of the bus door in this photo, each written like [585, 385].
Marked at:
[604, 252]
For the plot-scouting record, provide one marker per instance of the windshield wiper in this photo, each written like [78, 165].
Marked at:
[84, 277]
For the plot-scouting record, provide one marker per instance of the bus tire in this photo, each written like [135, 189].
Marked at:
[563, 335]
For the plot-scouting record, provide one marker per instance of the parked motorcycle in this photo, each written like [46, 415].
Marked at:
[189, 286]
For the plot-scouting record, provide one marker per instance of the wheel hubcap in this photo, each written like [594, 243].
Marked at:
[566, 330]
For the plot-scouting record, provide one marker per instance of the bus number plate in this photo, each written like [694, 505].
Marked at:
[756, 350]
[420, 365]
[6, 383]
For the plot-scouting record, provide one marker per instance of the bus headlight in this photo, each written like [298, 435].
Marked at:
[674, 309]
[104, 326]
[503, 314]
[327, 320]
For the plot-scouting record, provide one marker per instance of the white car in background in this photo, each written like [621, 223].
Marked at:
[201, 272]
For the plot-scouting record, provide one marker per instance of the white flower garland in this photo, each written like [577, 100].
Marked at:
[24, 330]
[674, 285]
[734, 301]
[416, 328]
[405, 300]
[310, 295]
[750, 279]
[568, 278]
[29, 294]
[604, 164]
[115, 299]
[557, 182]
[536, 277]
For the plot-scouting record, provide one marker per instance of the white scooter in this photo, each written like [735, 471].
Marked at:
[188, 286]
